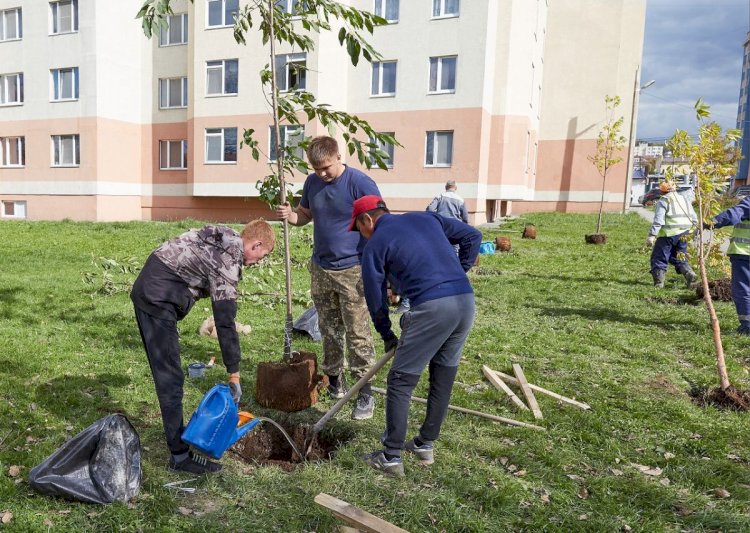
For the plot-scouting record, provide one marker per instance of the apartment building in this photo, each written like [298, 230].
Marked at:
[504, 96]
[743, 116]
[644, 149]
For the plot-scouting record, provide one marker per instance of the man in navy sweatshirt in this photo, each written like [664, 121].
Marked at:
[417, 251]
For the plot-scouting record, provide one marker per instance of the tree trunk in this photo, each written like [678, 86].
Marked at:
[601, 203]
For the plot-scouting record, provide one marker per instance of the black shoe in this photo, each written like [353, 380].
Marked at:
[194, 464]
[336, 387]
[364, 408]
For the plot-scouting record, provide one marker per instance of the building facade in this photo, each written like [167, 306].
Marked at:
[504, 96]
[743, 116]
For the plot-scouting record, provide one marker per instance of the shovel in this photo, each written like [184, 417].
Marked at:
[351, 392]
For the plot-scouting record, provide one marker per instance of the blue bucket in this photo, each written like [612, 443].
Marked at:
[213, 427]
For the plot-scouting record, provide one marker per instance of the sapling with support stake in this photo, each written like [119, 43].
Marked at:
[278, 26]
[713, 157]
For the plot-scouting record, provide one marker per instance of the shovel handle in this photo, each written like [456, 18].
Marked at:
[351, 392]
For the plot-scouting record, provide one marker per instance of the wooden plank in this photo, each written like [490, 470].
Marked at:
[564, 399]
[500, 385]
[494, 418]
[347, 529]
[527, 391]
[362, 520]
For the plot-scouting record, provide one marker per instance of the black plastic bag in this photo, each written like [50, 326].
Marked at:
[308, 323]
[102, 464]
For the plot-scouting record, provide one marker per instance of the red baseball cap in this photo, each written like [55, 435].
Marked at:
[364, 204]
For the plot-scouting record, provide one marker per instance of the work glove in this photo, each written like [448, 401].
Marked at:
[650, 241]
[707, 225]
[391, 341]
[234, 387]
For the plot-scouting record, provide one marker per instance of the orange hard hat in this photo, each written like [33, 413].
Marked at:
[666, 186]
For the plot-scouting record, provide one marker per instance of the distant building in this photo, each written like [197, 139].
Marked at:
[644, 149]
[505, 97]
[743, 116]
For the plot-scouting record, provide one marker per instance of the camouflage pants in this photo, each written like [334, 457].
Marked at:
[342, 313]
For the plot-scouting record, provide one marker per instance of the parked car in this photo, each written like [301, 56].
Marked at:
[650, 197]
[741, 191]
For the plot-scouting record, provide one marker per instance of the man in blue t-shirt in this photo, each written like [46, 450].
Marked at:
[335, 272]
[416, 250]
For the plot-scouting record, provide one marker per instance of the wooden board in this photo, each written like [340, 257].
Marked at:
[500, 384]
[360, 519]
[530, 398]
[564, 399]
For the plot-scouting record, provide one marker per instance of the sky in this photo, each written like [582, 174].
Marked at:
[693, 49]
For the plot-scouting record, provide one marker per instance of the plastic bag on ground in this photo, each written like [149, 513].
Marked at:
[308, 323]
[102, 464]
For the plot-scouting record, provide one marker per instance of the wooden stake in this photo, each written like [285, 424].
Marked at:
[362, 520]
[511, 379]
[500, 384]
[527, 391]
[509, 421]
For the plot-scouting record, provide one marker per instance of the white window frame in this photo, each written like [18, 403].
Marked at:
[432, 135]
[170, 145]
[385, 147]
[55, 20]
[287, 6]
[75, 88]
[378, 66]
[286, 61]
[287, 131]
[224, 24]
[6, 146]
[16, 205]
[183, 92]
[219, 132]
[380, 8]
[439, 75]
[222, 68]
[165, 33]
[57, 142]
[4, 25]
[440, 4]
[5, 80]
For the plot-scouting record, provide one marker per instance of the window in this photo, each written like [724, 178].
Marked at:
[291, 7]
[383, 78]
[290, 136]
[11, 89]
[439, 151]
[175, 32]
[387, 9]
[221, 77]
[221, 145]
[66, 151]
[443, 74]
[65, 84]
[14, 209]
[10, 24]
[12, 151]
[173, 92]
[291, 71]
[385, 147]
[173, 155]
[444, 8]
[64, 16]
[222, 12]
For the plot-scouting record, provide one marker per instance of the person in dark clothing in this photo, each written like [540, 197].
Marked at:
[416, 250]
[197, 264]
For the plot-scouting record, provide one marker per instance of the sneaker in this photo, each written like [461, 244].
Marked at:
[393, 467]
[425, 453]
[364, 408]
[194, 464]
[336, 387]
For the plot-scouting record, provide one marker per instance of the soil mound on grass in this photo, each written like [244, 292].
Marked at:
[730, 399]
[719, 289]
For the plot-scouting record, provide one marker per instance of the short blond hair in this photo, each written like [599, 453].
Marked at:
[261, 230]
[322, 148]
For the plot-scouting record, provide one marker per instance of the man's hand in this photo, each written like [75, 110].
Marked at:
[234, 387]
[708, 225]
[650, 241]
[284, 212]
[391, 341]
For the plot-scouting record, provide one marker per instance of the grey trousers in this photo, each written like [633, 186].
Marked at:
[432, 333]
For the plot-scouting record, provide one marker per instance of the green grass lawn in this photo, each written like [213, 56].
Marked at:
[582, 320]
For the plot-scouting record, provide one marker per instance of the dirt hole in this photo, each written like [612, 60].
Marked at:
[266, 445]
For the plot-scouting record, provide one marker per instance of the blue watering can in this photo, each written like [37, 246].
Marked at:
[215, 424]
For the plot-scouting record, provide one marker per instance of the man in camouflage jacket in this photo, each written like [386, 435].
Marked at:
[197, 264]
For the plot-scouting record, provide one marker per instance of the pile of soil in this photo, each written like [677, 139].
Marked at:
[719, 289]
[502, 244]
[291, 386]
[529, 232]
[730, 399]
[596, 238]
